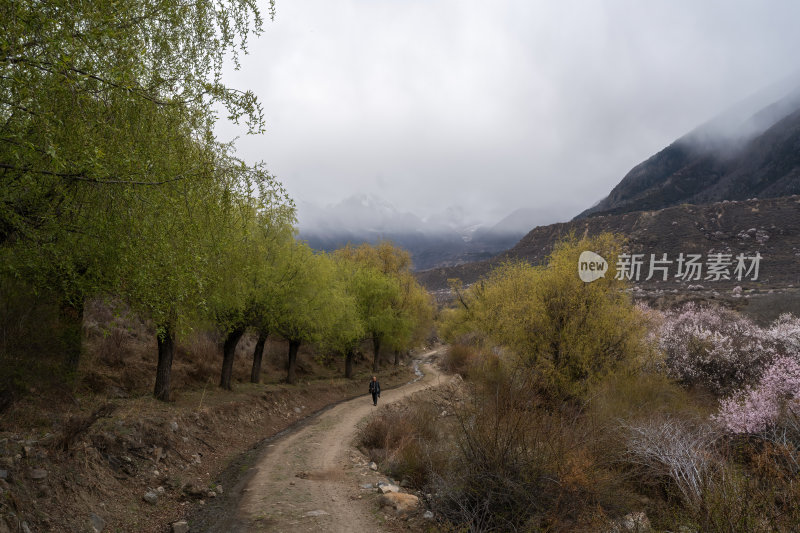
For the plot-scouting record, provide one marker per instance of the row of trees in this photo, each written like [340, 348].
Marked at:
[113, 183]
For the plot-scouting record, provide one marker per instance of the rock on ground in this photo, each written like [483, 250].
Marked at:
[96, 523]
[38, 474]
[384, 489]
[401, 502]
[637, 522]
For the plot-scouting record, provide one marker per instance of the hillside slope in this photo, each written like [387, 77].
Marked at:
[770, 227]
[756, 158]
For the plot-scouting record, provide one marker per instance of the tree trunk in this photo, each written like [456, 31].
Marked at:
[396, 357]
[376, 345]
[166, 349]
[71, 318]
[348, 363]
[228, 355]
[258, 354]
[293, 347]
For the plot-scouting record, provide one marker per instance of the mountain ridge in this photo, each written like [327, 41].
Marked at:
[770, 226]
[447, 238]
[757, 157]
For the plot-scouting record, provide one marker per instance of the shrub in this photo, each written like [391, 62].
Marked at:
[202, 349]
[720, 349]
[733, 502]
[631, 396]
[750, 490]
[567, 331]
[757, 408]
[785, 333]
[112, 347]
[676, 451]
[407, 444]
[375, 433]
[459, 358]
[519, 465]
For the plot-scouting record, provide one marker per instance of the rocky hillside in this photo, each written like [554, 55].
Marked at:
[730, 158]
[770, 227]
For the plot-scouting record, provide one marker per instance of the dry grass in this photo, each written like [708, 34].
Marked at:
[408, 444]
[459, 359]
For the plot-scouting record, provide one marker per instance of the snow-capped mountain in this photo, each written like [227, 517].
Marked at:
[451, 237]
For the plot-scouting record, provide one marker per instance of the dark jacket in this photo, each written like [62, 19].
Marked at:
[375, 387]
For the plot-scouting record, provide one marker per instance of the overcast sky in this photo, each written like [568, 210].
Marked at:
[496, 105]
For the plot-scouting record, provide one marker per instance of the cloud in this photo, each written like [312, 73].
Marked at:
[493, 106]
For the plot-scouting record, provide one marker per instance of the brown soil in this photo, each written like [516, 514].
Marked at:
[188, 447]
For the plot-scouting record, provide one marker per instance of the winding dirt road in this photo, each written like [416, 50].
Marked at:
[309, 480]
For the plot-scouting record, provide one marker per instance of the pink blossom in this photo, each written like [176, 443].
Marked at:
[754, 409]
[720, 349]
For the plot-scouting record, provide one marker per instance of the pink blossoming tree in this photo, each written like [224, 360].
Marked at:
[758, 408]
[717, 348]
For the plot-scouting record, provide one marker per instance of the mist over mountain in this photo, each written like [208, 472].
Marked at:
[769, 227]
[750, 151]
[450, 237]
[731, 185]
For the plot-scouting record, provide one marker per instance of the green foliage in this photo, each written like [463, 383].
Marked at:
[100, 101]
[567, 331]
[377, 296]
[103, 104]
[348, 328]
[301, 311]
[392, 305]
[632, 395]
[112, 179]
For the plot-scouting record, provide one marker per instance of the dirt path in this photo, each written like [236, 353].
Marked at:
[326, 496]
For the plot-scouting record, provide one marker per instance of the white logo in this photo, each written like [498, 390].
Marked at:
[591, 266]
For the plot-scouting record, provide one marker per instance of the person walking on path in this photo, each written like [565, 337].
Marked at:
[375, 390]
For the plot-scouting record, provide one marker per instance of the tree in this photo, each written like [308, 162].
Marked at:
[376, 295]
[415, 316]
[271, 279]
[302, 312]
[175, 265]
[258, 354]
[236, 301]
[348, 329]
[566, 331]
[81, 84]
[106, 106]
[393, 306]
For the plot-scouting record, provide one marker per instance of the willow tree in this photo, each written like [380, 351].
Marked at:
[349, 328]
[98, 104]
[567, 332]
[302, 312]
[273, 267]
[239, 301]
[76, 80]
[415, 316]
[394, 308]
[167, 262]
